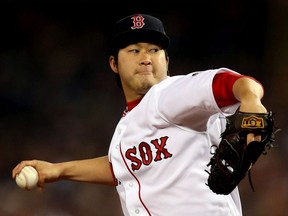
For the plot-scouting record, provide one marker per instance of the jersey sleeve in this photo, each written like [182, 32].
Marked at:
[223, 88]
[189, 100]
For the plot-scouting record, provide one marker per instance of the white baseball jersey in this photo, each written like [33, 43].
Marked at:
[160, 150]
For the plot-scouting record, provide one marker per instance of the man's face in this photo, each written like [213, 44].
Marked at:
[141, 66]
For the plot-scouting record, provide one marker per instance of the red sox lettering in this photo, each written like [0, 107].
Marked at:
[146, 153]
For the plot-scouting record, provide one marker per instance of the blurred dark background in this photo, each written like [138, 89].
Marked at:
[59, 100]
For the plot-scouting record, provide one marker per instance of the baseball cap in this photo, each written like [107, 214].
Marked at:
[138, 28]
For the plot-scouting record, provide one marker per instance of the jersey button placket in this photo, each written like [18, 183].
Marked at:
[135, 205]
[119, 133]
[136, 211]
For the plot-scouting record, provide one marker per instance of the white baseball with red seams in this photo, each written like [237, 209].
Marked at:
[160, 150]
[27, 178]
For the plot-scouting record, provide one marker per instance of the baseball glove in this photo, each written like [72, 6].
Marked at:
[232, 159]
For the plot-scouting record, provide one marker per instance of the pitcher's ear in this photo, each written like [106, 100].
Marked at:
[113, 64]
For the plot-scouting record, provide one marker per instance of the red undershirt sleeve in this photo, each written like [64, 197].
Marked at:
[223, 88]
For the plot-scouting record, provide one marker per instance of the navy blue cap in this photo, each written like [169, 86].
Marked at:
[138, 28]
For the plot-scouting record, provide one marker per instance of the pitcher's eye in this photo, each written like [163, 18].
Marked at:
[133, 50]
[154, 50]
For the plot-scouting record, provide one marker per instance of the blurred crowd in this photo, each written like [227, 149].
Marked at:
[59, 99]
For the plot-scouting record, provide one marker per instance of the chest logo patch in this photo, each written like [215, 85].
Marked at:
[146, 153]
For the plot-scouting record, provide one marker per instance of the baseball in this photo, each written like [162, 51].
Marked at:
[27, 178]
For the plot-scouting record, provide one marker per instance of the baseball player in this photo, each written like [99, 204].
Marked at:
[162, 144]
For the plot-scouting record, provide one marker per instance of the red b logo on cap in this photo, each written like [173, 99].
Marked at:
[138, 22]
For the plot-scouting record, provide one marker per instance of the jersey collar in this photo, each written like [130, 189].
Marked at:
[130, 105]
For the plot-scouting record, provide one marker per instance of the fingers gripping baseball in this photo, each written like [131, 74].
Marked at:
[45, 171]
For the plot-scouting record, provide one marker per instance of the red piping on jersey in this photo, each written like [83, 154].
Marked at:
[223, 88]
[139, 191]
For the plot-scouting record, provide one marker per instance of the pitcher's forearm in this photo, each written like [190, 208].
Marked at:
[95, 170]
[249, 92]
